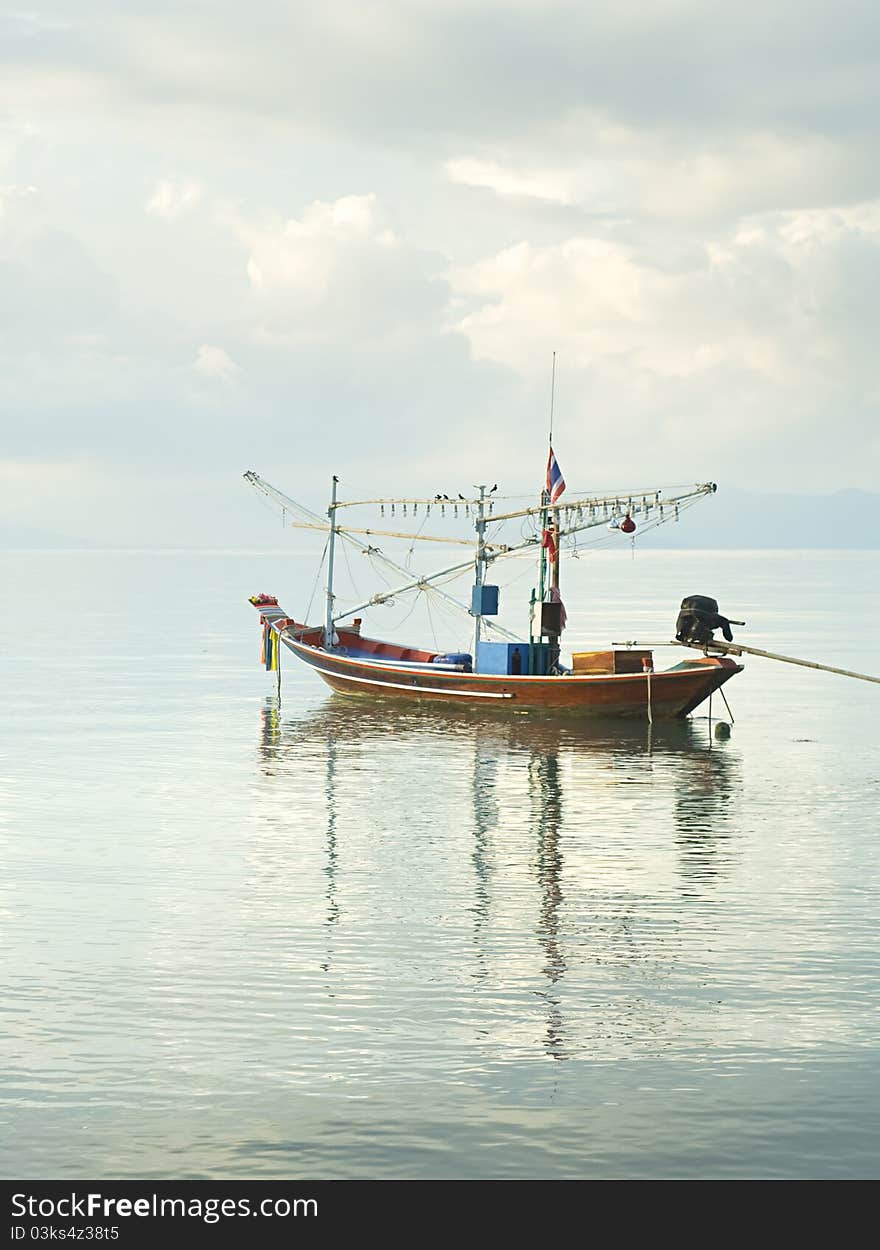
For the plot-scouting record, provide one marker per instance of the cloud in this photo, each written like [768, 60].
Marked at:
[756, 296]
[339, 271]
[767, 330]
[616, 171]
[171, 200]
[215, 363]
[385, 217]
[389, 66]
[494, 177]
[11, 195]
[51, 285]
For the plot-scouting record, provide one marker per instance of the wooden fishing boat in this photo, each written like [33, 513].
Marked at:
[623, 682]
[521, 675]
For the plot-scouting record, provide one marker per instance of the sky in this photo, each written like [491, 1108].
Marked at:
[347, 238]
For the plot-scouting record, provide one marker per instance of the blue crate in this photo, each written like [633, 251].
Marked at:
[511, 659]
[484, 601]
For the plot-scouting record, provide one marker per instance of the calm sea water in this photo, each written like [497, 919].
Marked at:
[328, 939]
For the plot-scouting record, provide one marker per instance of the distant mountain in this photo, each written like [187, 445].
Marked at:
[14, 537]
[737, 518]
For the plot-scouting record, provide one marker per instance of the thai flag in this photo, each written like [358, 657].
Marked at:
[555, 480]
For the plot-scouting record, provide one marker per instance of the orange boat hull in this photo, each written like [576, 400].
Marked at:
[673, 693]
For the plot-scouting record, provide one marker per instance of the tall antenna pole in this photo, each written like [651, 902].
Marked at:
[328, 621]
[552, 396]
[554, 570]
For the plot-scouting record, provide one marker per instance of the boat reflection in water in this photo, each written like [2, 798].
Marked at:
[594, 846]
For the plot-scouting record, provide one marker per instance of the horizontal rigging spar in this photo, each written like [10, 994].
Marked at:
[642, 500]
[637, 500]
[420, 538]
[434, 500]
[422, 582]
[503, 549]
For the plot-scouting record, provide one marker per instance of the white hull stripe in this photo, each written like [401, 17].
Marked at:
[570, 679]
[399, 685]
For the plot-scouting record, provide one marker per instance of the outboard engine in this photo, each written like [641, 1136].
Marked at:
[698, 618]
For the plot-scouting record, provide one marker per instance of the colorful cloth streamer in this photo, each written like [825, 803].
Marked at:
[271, 645]
[274, 644]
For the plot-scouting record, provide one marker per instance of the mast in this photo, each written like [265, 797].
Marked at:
[545, 499]
[546, 563]
[331, 513]
[477, 604]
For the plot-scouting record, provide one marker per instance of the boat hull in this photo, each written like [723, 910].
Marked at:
[671, 694]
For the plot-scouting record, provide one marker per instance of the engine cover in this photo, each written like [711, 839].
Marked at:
[697, 620]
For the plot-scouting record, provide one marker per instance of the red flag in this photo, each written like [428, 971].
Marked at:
[548, 541]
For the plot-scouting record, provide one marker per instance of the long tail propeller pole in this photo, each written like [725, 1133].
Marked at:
[730, 648]
[737, 648]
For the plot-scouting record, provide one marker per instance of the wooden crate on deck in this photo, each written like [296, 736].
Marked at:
[630, 661]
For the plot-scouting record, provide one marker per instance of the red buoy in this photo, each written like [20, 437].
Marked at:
[628, 525]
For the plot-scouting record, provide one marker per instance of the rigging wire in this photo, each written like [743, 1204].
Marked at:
[431, 621]
[350, 574]
[412, 546]
[315, 583]
[374, 552]
[270, 507]
[412, 609]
